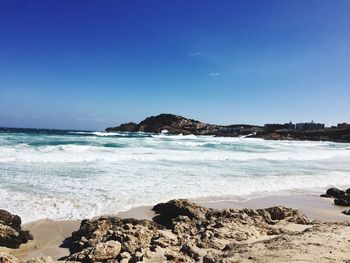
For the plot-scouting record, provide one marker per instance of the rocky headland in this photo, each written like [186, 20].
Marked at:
[175, 124]
[183, 231]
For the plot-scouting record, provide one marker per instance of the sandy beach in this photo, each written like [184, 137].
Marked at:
[49, 234]
[313, 206]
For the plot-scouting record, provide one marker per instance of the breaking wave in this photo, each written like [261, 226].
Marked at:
[84, 174]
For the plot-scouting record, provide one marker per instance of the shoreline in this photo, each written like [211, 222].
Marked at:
[313, 206]
[295, 199]
[49, 234]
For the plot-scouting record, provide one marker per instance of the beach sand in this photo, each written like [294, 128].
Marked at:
[49, 234]
[313, 206]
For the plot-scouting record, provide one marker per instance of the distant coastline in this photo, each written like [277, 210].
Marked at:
[39, 130]
[175, 124]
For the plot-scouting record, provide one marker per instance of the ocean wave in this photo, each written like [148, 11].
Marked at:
[119, 152]
[112, 134]
[81, 176]
[102, 134]
[79, 199]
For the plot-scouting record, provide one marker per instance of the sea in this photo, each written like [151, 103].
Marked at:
[60, 174]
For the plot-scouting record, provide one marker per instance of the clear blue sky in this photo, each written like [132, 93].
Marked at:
[92, 64]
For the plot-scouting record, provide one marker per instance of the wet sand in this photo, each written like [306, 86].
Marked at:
[49, 234]
[48, 237]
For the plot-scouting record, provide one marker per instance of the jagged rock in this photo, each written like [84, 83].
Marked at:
[126, 127]
[6, 218]
[191, 233]
[211, 257]
[279, 213]
[174, 124]
[181, 232]
[334, 192]
[106, 250]
[136, 257]
[47, 259]
[124, 257]
[7, 258]
[11, 234]
[346, 212]
[131, 234]
[41, 260]
[102, 251]
[343, 201]
[191, 250]
[178, 207]
[342, 198]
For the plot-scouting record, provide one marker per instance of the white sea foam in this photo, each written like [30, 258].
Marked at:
[84, 175]
[177, 151]
[99, 133]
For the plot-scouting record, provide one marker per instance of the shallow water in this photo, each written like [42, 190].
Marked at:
[50, 174]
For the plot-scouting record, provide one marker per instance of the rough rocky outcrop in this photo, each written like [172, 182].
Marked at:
[175, 208]
[175, 124]
[7, 258]
[342, 201]
[181, 232]
[11, 234]
[341, 198]
[335, 192]
[100, 251]
[126, 127]
[346, 212]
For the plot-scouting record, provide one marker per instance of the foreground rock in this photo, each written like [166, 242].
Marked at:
[182, 232]
[341, 198]
[185, 232]
[336, 193]
[11, 234]
[7, 258]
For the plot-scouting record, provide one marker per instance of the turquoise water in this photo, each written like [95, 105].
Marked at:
[64, 174]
